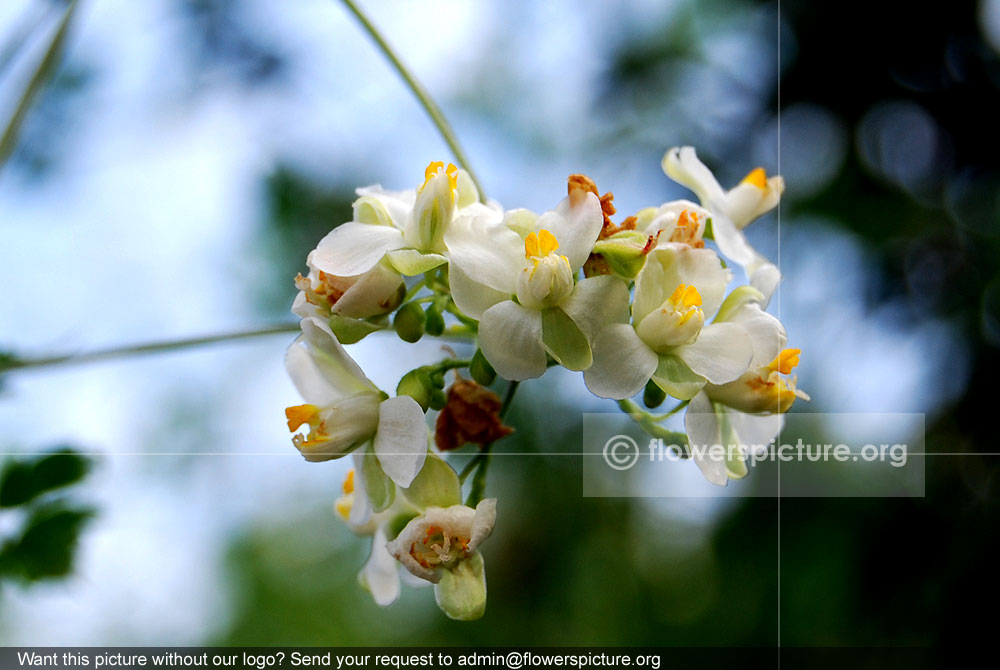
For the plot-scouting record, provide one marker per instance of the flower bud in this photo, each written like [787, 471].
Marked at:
[481, 370]
[409, 322]
[653, 396]
[416, 384]
[434, 320]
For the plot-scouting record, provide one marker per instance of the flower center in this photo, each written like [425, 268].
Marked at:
[438, 547]
[687, 230]
[324, 294]
[547, 279]
[770, 382]
[677, 321]
[309, 415]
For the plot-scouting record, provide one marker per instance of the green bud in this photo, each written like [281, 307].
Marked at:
[416, 384]
[481, 370]
[438, 399]
[409, 322]
[625, 252]
[653, 396]
[434, 320]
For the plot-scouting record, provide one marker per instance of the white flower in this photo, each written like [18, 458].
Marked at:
[518, 278]
[679, 221]
[440, 546]
[344, 409]
[731, 210]
[406, 227]
[741, 416]
[378, 291]
[668, 340]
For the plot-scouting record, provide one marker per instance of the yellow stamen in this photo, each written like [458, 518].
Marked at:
[348, 486]
[433, 169]
[300, 414]
[685, 295]
[540, 245]
[785, 361]
[687, 218]
[757, 177]
[343, 507]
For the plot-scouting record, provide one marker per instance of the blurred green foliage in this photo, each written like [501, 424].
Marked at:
[39, 491]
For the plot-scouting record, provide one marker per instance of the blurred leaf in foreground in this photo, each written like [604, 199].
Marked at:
[40, 490]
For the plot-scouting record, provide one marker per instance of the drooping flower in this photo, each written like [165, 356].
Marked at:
[731, 210]
[345, 410]
[519, 279]
[378, 291]
[668, 339]
[741, 416]
[405, 227]
[440, 546]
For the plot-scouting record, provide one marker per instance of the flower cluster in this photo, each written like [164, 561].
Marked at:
[642, 306]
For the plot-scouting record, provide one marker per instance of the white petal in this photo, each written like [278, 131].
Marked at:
[332, 359]
[622, 363]
[511, 339]
[722, 351]
[399, 204]
[755, 430]
[702, 426]
[486, 251]
[765, 277]
[576, 227]
[732, 243]
[483, 522]
[323, 375]
[354, 248]
[471, 297]
[767, 335]
[597, 302]
[401, 439]
[375, 292]
[381, 572]
[361, 508]
[683, 166]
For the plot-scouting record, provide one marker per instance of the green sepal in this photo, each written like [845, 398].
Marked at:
[739, 297]
[350, 331]
[564, 340]
[411, 262]
[379, 488]
[435, 485]
[461, 593]
[676, 378]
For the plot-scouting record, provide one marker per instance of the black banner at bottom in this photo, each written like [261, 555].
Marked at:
[500, 658]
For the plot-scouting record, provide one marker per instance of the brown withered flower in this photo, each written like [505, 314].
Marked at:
[471, 414]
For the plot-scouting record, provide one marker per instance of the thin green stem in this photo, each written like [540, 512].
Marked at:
[667, 415]
[43, 73]
[15, 363]
[483, 457]
[650, 424]
[419, 91]
[466, 321]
